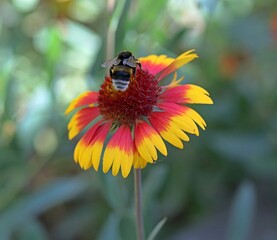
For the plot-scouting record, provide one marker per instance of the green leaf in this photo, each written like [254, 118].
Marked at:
[242, 147]
[115, 191]
[242, 212]
[36, 203]
[156, 229]
[31, 229]
[110, 229]
[153, 184]
[76, 222]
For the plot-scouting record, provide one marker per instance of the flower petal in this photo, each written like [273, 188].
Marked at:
[168, 129]
[154, 64]
[146, 139]
[84, 99]
[174, 82]
[195, 116]
[138, 161]
[119, 152]
[85, 141]
[184, 117]
[188, 93]
[81, 119]
[177, 63]
[93, 153]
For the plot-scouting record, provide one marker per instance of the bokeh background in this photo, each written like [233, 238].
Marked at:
[223, 185]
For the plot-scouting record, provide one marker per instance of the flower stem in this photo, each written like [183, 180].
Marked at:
[138, 204]
[116, 10]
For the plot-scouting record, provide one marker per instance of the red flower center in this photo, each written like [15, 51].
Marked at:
[136, 102]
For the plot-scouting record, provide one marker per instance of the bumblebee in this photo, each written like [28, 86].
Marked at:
[122, 68]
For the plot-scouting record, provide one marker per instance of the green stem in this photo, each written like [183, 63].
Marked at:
[138, 204]
[113, 25]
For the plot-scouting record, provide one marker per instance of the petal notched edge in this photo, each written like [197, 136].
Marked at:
[196, 94]
[88, 150]
[119, 152]
[168, 129]
[139, 162]
[146, 140]
[85, 141]
[188, 93]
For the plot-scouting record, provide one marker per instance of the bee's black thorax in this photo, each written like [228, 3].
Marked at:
[121, 72]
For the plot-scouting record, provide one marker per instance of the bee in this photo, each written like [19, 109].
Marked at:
[122, 68]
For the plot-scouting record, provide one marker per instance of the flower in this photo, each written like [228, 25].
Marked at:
[139, 118]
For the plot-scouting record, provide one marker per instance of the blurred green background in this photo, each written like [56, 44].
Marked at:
[223, 185]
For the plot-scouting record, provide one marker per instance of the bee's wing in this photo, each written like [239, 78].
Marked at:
[131, 62]
[110, 63]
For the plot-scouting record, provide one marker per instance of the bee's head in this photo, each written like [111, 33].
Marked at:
[125, 55]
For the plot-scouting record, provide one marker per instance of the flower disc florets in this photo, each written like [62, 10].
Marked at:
[136, 102]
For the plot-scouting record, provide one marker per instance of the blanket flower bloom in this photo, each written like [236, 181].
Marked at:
[139, 118]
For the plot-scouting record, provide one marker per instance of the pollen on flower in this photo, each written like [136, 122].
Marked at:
[136, 102]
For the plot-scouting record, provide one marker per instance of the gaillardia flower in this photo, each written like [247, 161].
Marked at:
[139, 118]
